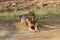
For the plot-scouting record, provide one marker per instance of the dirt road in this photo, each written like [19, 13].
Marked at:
[46, 33]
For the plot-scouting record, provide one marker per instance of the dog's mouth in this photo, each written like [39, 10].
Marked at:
[33, 27]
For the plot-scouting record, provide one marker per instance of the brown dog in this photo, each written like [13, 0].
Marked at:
[30, 21]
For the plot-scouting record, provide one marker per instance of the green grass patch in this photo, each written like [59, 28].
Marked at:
[11, 14]
[44, 15]
[47, 11]
[48, 16]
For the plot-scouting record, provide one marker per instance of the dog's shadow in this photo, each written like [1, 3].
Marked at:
[42, 27]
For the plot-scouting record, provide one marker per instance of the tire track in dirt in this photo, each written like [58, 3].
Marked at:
[19, 34]
[6, 33]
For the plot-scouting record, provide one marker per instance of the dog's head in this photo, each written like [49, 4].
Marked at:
[31, 12]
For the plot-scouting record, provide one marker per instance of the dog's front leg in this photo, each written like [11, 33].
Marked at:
[36, 28]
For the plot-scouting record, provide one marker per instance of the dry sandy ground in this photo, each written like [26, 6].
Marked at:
[46, 33]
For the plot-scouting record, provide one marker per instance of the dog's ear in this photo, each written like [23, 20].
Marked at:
[31, 11]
